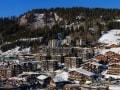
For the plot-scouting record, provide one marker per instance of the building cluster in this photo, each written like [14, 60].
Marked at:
[12, 66]
[64, 68]
[63, 57]
[65, 42]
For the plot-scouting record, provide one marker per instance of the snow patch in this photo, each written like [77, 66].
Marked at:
[118, 20]
[114, 87]
[116, 50]
[39, 16]
[112, 37]
[16, 51]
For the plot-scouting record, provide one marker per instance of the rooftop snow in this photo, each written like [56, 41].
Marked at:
[114, 87]
[85, 72]
[97, 64]
[118, 20]
[109, 75]
[42, 77]
[116, 50]
[61, 77]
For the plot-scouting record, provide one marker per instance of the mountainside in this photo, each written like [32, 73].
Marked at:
[45, 24]
[111, 37]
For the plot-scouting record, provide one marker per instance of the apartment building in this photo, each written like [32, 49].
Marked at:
[94, 67]
[57, 50]
[53, 43]
[73, 62]
[49, 65]
[5, 72]
[80, 75]
[58, 57]
[16, 69]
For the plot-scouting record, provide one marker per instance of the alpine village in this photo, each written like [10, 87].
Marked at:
[73, 48]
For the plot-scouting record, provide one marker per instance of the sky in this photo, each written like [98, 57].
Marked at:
[17, 7]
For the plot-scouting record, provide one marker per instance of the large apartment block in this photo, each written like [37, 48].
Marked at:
[49, 65]
[73, 62]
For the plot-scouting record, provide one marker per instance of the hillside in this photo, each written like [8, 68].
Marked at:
[76, 22]
[111, 37]
[108, 39]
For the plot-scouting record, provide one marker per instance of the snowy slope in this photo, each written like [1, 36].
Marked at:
[30, 39]
[16, 51]
[39, 16]
[112, 37]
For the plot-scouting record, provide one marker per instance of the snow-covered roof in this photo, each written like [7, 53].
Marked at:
[29, 73]
[112, 37]
[118, 20]
[16, 78]
[114, 87]
[109, 75]
[52, 60]
[85, 72]
[4, 64]
[97, 64]
[61, 77]
[113, 76]
[116, 50]
[42, 77]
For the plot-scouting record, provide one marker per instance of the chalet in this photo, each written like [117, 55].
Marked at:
[80, 75]
[109, 54]
[114, 69]
[44, 80]
[113, 45]
[114, 60]
[103, 59]
[94, 67]
[115, 56]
